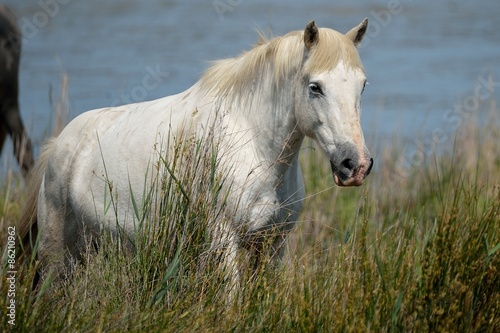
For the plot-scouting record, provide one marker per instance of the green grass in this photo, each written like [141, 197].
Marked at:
[401, 254]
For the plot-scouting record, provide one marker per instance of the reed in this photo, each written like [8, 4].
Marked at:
[417, 253]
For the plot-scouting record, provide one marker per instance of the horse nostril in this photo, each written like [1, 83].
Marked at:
[348, 164]
[370, 167]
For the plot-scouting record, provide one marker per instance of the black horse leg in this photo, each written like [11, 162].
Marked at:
[3, 134]
[22, 143]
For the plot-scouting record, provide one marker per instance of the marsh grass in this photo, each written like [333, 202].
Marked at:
[419, 253]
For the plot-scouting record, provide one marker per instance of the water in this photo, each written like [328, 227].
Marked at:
[421, 57]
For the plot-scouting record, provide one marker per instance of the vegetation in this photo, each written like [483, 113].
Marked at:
[413, 250]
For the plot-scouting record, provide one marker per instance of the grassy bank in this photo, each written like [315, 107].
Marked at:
[415, 249]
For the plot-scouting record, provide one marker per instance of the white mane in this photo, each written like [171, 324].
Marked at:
[278, 57]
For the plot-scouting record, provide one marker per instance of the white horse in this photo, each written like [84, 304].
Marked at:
[262, 104]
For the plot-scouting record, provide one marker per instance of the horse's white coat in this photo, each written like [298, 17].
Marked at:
[261, 129]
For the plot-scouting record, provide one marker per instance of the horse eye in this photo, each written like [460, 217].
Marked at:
[364, 85]
[315, 89]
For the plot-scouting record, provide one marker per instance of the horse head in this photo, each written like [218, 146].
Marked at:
[328, 100]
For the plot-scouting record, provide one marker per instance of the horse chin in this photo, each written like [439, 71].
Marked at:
[353, 181]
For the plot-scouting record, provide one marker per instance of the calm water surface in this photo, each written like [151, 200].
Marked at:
[422, 58]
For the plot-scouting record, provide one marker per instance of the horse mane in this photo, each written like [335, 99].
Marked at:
[278, 57]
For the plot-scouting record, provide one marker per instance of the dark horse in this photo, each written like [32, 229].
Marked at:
[10, 119]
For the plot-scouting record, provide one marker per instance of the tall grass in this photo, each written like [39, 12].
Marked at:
[419, 252]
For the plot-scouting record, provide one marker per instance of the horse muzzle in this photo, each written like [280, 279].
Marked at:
[349, 169]
[355, 177]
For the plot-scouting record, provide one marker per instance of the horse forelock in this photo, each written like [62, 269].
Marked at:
[332, 48]
[278, 57]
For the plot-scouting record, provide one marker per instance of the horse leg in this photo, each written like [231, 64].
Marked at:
[22, 143]
[278, 249]
[225, 243]
[60, 242]
[3, 135]
[232, 269]
[265, 251]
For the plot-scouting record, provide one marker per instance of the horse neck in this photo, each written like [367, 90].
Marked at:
[270, 114]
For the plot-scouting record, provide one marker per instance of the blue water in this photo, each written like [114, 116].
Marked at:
[421, 57]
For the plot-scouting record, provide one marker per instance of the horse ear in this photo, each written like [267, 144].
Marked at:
[311, 35]
[356, 34]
